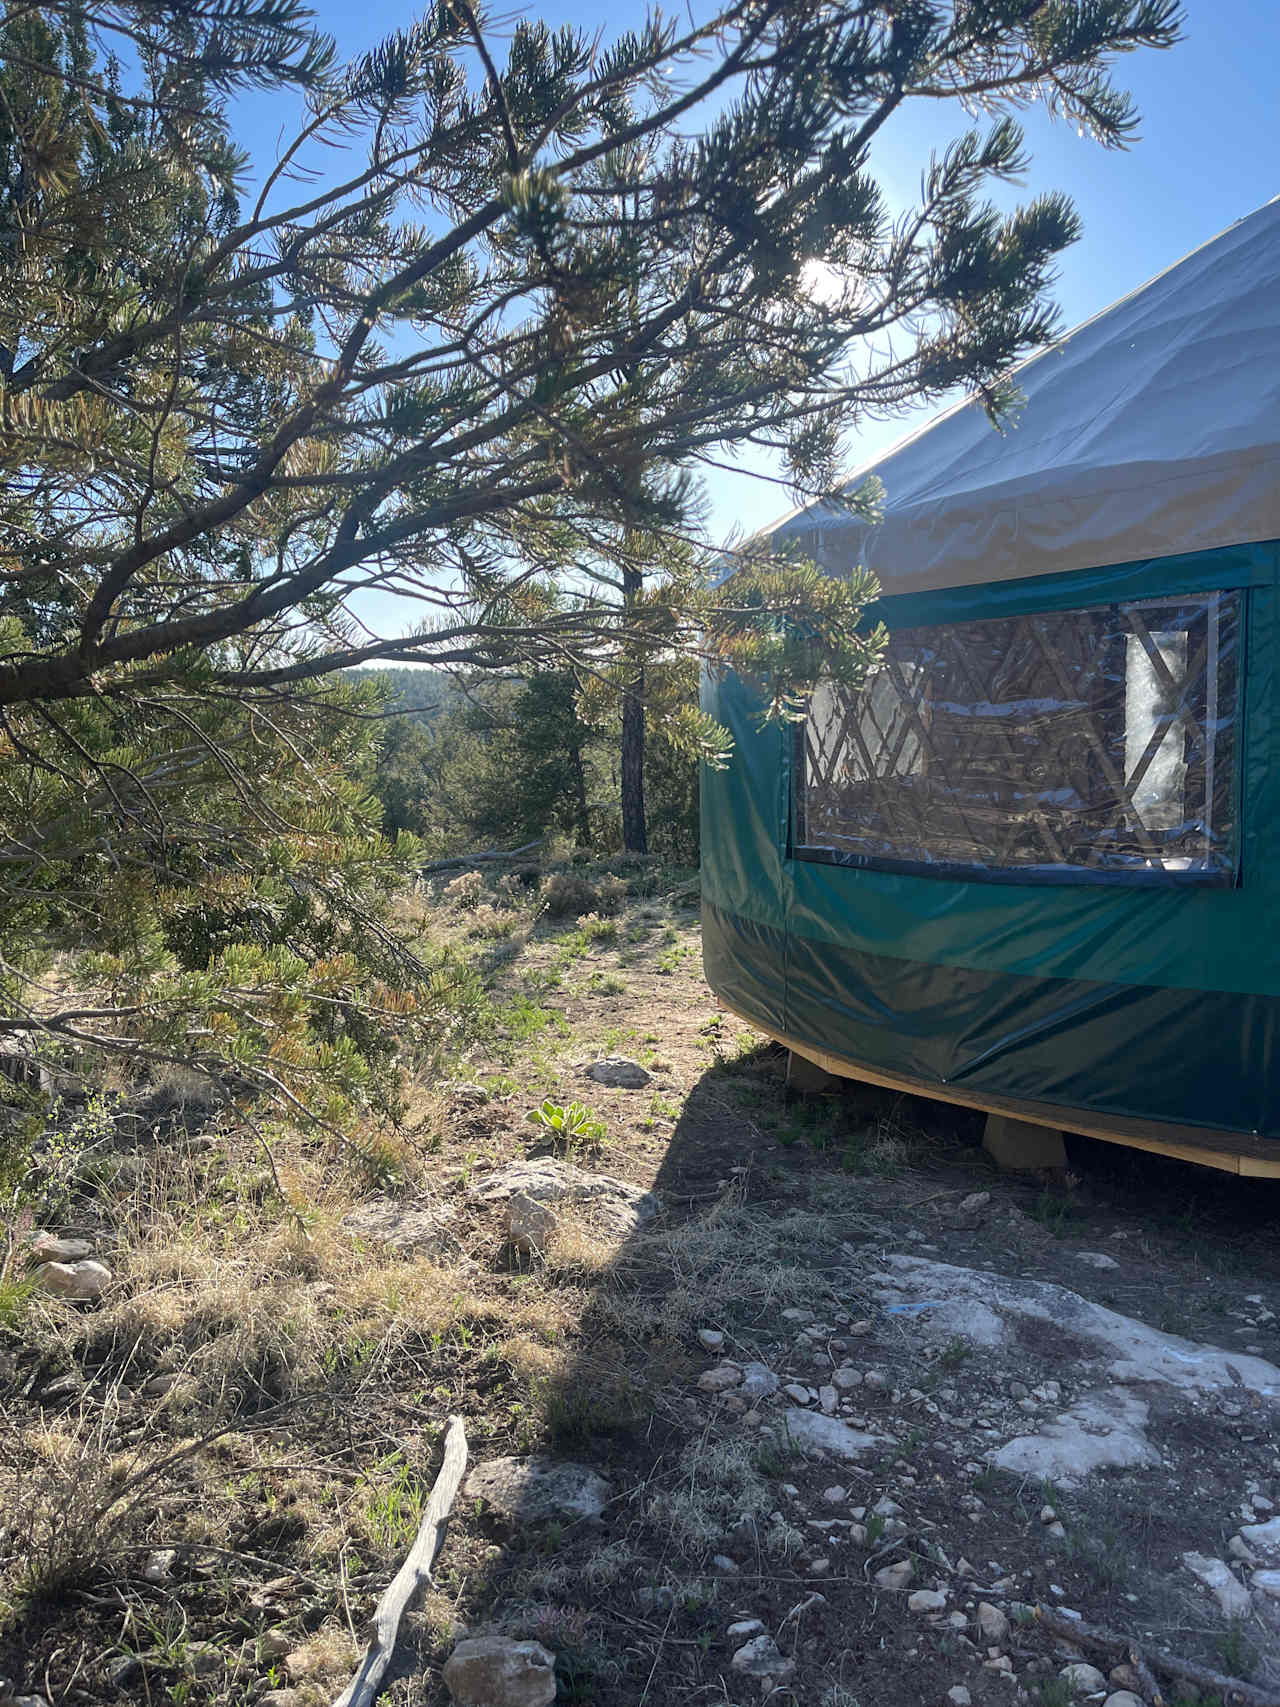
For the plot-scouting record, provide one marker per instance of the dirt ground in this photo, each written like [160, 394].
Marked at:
[212, 1472]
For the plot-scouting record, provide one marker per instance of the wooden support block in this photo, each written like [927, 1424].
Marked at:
[1023, 1146]
[807, 1077]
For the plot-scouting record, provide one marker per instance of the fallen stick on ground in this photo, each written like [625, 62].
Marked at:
[487, 855]
[1144, 1660]
[412, 1575]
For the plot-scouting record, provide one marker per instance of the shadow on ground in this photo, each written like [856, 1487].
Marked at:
[726, 1564]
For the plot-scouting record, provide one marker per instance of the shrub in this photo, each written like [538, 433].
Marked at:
[566, 895]
[465, 891]
[596, 929]
[611, 892]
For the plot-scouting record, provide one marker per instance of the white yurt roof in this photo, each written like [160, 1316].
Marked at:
[1152, 429]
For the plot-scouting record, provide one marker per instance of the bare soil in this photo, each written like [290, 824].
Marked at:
[287, 1471]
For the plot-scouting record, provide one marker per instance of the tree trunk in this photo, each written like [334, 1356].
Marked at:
[580, 812]
[635, 835]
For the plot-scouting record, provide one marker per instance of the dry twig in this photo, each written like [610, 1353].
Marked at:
[1117, 1648]
[412, 1575]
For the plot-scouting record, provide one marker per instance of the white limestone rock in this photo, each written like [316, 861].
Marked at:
[539, 1490]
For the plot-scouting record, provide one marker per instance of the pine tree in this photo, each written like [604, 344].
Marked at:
[480, 363]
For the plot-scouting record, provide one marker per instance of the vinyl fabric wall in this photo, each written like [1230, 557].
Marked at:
[1156, 1002]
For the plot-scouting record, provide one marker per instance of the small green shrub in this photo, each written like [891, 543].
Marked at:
[570, 1126]
[596, 929]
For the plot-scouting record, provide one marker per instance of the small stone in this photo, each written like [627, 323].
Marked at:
[533, 1490]
[1047, 1514]
[846, 1376]
[1082, 1679]
[710, 1339]
[828, 1400]
[875, 1378]
[400, 1224]
[159, 1565]
[1216, 1576]
[862, 1326]
[797, 1314]
[1264, 1537]
[975, 1201]
[74, 1279]
[1124, 1677]
[533, 1192]
[998, 1662]
[758, 1381]
[885, 1507]
[895, 1577]
[280, 1698]
[819, 1567]
[993, 1623]
[531, 1224]
[926, 1600]
[68, 1386]
[1267, 1583]
[810, 1431]
[497, 1671]
[959, 1696]
[720, 1379]
[1124, 1698]
[795, 1391]
[274, 1644]
[619, 1073]
[835, 1494]
[205, 1659]
[48, 1247]
[726, 1566]
[744, 1628]
[760, 1658]
[120, 1672]
[156, 1386]
[1057, 1531]
[1261, 1503]
[470, 1096]
[1096, 1259]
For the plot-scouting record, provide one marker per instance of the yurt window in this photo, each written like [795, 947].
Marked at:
[1093, 743]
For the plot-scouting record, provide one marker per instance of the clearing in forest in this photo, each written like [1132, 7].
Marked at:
[842, 1408]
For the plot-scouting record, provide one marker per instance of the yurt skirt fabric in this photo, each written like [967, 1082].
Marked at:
[1041, 861]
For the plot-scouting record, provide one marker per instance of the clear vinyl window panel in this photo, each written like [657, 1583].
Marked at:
[1091, 743]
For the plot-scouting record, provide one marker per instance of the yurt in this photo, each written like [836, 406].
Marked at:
[1033, 865]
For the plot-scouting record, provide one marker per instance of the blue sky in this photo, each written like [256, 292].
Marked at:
[1209, 153]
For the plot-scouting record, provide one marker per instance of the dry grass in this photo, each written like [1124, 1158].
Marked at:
[717, 1485]
[739, 1264]
[264, 1388]
[227, 1309]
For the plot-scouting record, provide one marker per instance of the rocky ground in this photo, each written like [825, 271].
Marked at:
[768, 1398]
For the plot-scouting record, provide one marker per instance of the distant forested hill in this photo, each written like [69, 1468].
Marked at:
[427, 691]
